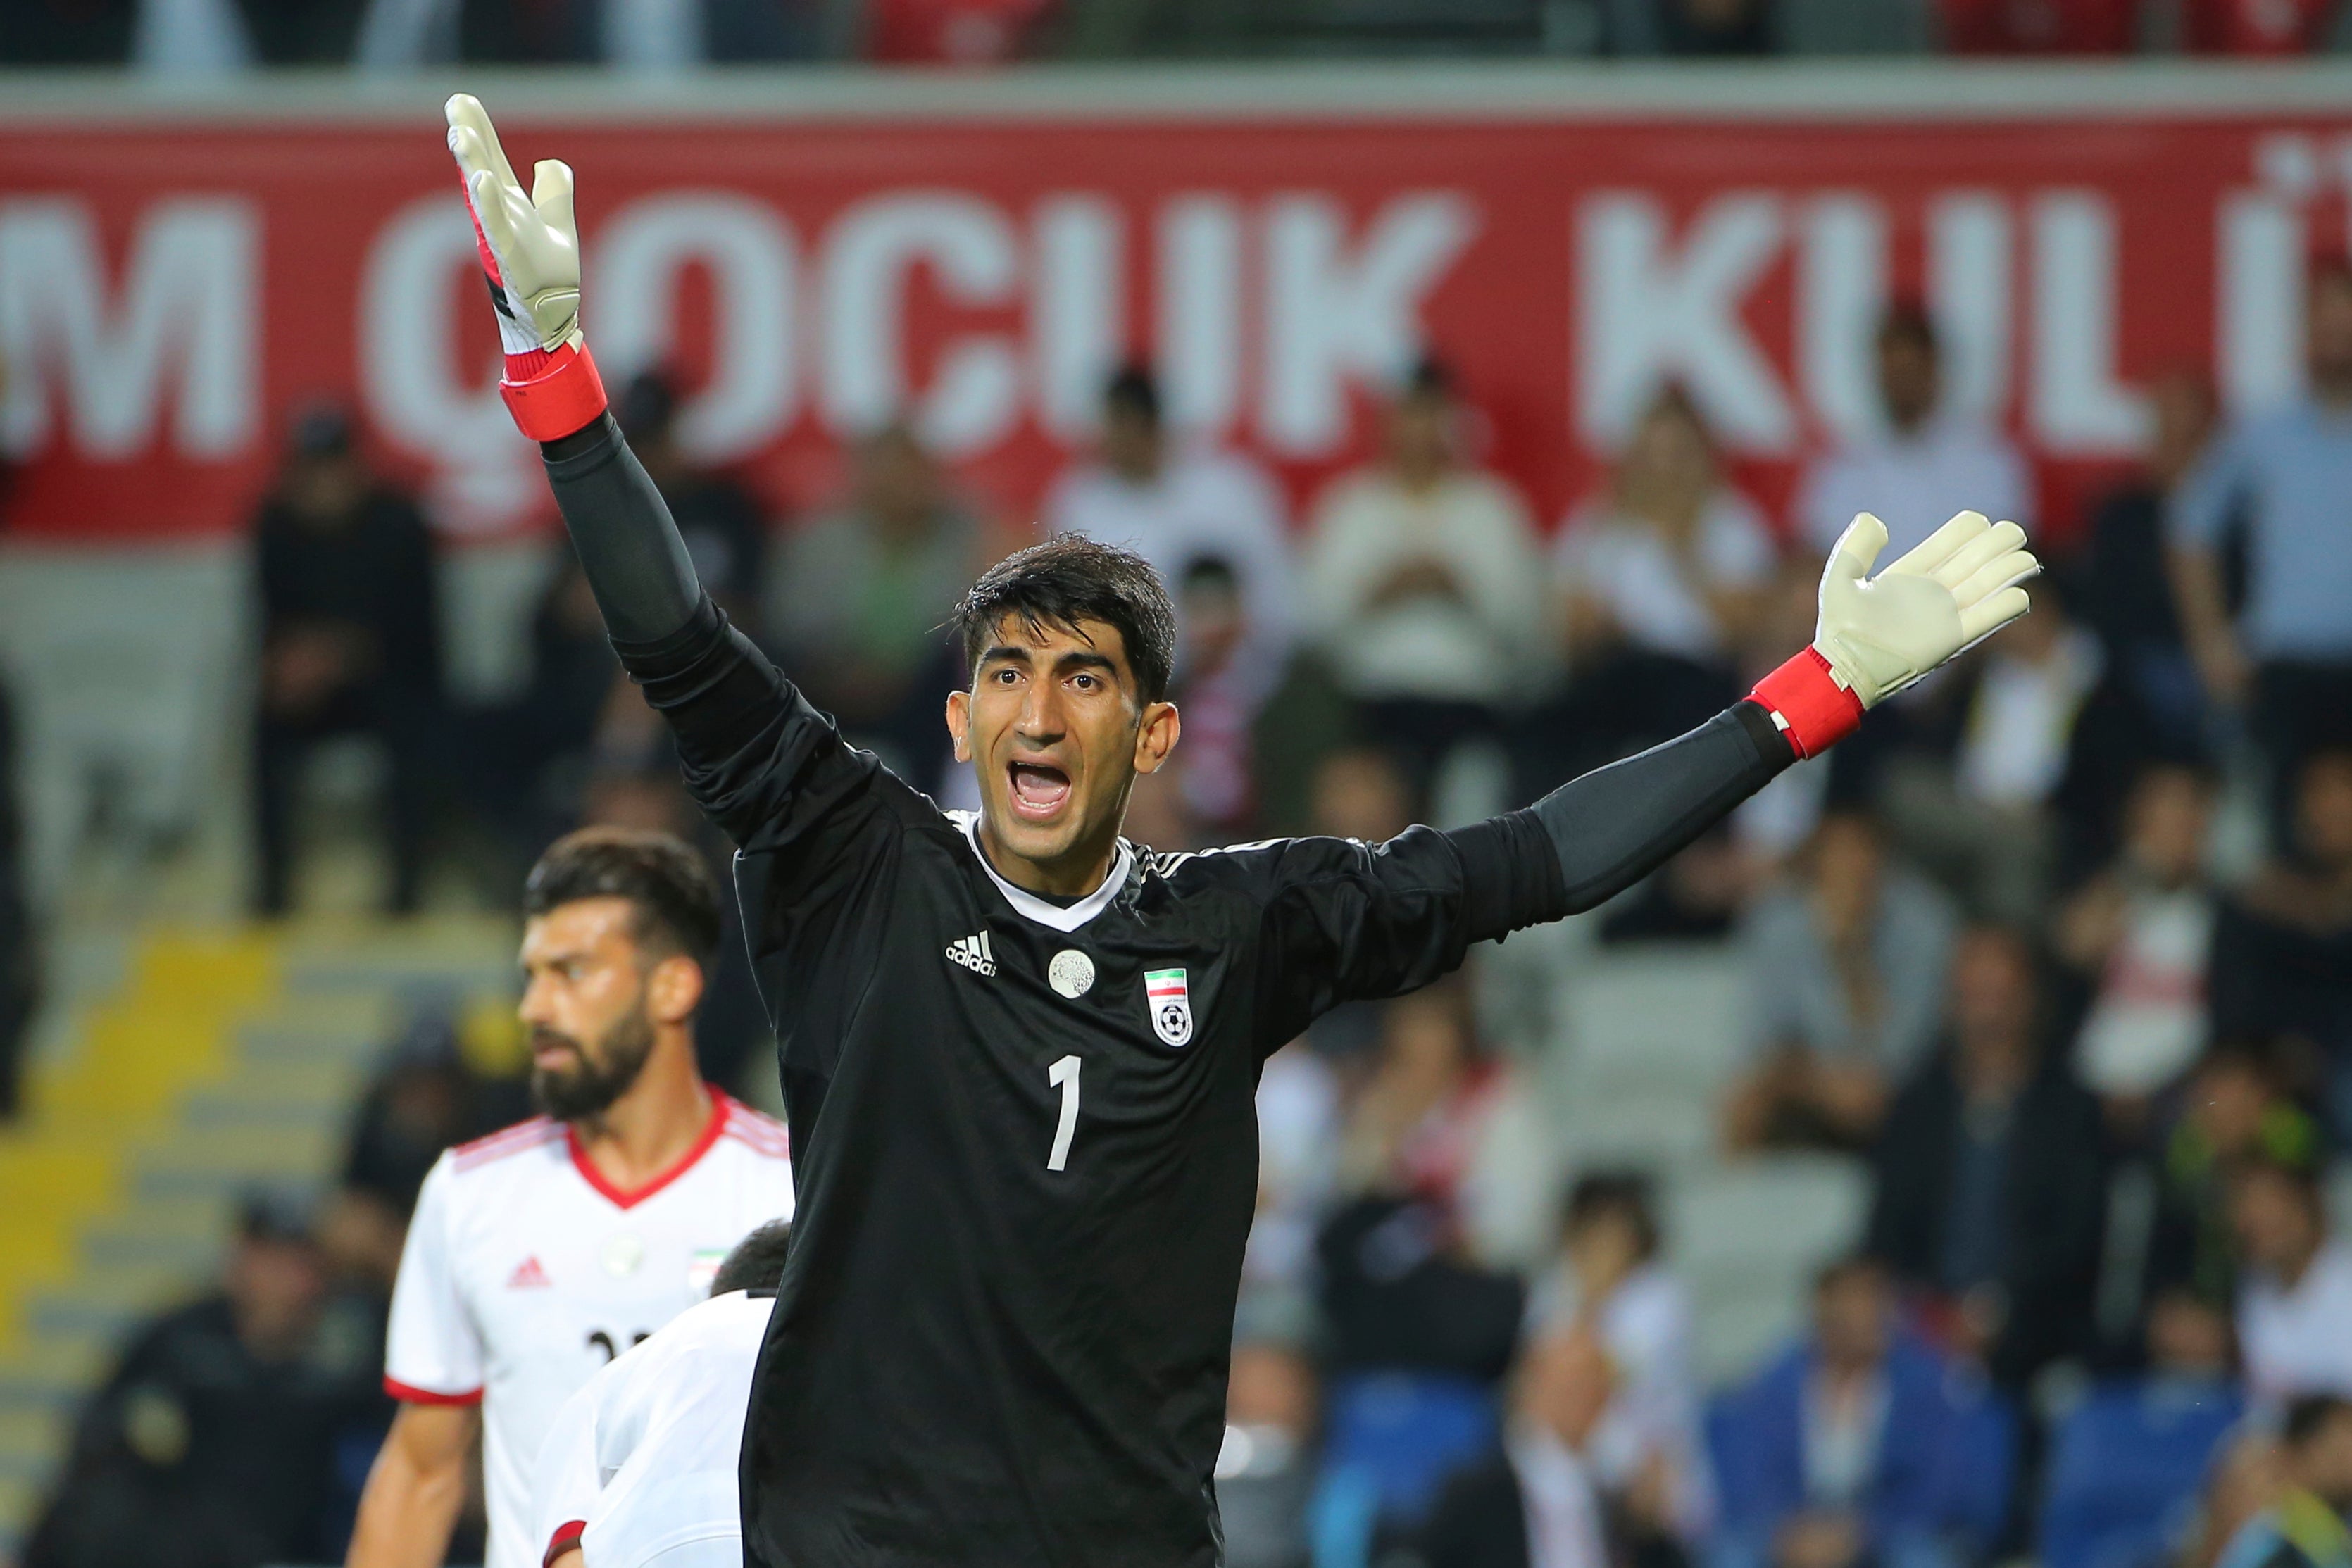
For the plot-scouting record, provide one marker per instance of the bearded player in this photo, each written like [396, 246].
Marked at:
[1018, 1052]
[539, 1253]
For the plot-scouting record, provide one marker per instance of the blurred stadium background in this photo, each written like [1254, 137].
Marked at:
[1488, 376]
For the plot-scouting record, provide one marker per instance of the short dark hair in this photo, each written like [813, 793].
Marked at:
[2307, 1414]
[1066, 581]
[1131, 390]
[661, 874]
[758, 1261]
[1624, 1193]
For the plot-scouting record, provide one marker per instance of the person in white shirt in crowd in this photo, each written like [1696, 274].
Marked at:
[1984, 817]
[1266, 1470]
[1648, 1452]
[1174, 504]
[2141, 930]
[1423, 583]
[539, 1253]
[2295, 1290]
[1536, 1504]
[1927, 461]
[1662, 578]
[1849, 957]
[639, 1466]
[2283, 477]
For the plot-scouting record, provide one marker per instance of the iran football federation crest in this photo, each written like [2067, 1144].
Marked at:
[1171, 1007]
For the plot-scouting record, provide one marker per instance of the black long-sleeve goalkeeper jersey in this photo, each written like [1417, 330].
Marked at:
[1024, 1133]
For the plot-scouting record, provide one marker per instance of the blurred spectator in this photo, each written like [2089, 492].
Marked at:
[2284, 476]
[1442, 1123]
[2116, 578]
[2141, 932]
[1266, 1470]
[2256, 27]
[1990, 1189]
[1849, 958]
[1928, 462]
[1174, 507]
[2040, 26]
[1647, 1453]
[1423, 582]
[2294, 1297]
[19, 949]
[1850, 1448]
[2248, 1477]
[67, 32]
[1220, 692]
[2305, 1528]
[1536, 1504]
[2283, 951]
[861, 593]
[1662, 583]
[2127, 1462]
[212, 1444]
[350, 644]
[719, 518]
[1690, 27]
[1298, 1136]
[1983, 819]
[638, 34]
[423, 1099]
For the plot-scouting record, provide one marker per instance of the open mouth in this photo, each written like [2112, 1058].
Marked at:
[1039, 790]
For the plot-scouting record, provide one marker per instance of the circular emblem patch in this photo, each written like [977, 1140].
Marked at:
[1071, 973]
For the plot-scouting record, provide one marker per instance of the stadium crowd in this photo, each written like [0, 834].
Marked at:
[2095, 1065]
[211, 36]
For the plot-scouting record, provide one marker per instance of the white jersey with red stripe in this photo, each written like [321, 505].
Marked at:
[526, 1270]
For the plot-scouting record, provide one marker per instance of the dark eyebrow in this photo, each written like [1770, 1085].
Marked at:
[1006, 652]
[1074, 660]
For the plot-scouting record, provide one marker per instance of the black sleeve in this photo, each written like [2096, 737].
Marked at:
[762, 763]
[630, 547]
[1344, 920]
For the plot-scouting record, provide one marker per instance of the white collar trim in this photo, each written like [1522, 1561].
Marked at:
[1028, 904]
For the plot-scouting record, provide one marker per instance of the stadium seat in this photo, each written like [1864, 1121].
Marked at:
[2126, 1467]
[1747, 1239]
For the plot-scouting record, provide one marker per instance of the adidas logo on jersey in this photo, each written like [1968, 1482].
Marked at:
[529, 1276]
[972, 953]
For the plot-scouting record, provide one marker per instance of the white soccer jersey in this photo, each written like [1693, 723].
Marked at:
[526, 1271]
[640, 1468]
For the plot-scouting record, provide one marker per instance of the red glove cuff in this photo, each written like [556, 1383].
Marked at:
[551, 395]
[1808, 705]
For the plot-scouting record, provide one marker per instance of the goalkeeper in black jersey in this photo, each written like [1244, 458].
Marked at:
[1019, 1053]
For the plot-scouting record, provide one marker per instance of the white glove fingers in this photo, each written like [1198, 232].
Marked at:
[1856, 548]
[494, 209]
[1989, 615]
[1924, 559]
[1990, 579]
[1998, 541]
[551, 193]
[466, 113]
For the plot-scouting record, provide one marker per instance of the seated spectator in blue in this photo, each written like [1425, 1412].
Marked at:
[2126, 1464]
[1854, 1447]
[2304, 1527]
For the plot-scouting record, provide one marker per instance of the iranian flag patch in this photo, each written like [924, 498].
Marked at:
[1171, 1007]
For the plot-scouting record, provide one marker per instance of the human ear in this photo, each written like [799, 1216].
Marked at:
[674, 989]
[960, 724]
[1155, 737]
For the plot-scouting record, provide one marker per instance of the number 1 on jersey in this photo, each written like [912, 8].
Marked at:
[1063, 1075]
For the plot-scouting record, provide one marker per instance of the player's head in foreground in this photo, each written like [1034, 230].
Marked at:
[758, 1261]
[1070, 644]
[620, 929]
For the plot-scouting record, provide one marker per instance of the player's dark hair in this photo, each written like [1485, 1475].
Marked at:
[1623, 1195]
[2307, 1414]
[1067, 580]
[758, 1261]
[661, 874]
[1132, 390]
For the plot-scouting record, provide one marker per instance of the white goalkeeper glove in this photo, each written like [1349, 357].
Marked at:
[530, 252]
[1878, 634]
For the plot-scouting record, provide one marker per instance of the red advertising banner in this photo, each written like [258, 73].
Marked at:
[169, 290]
